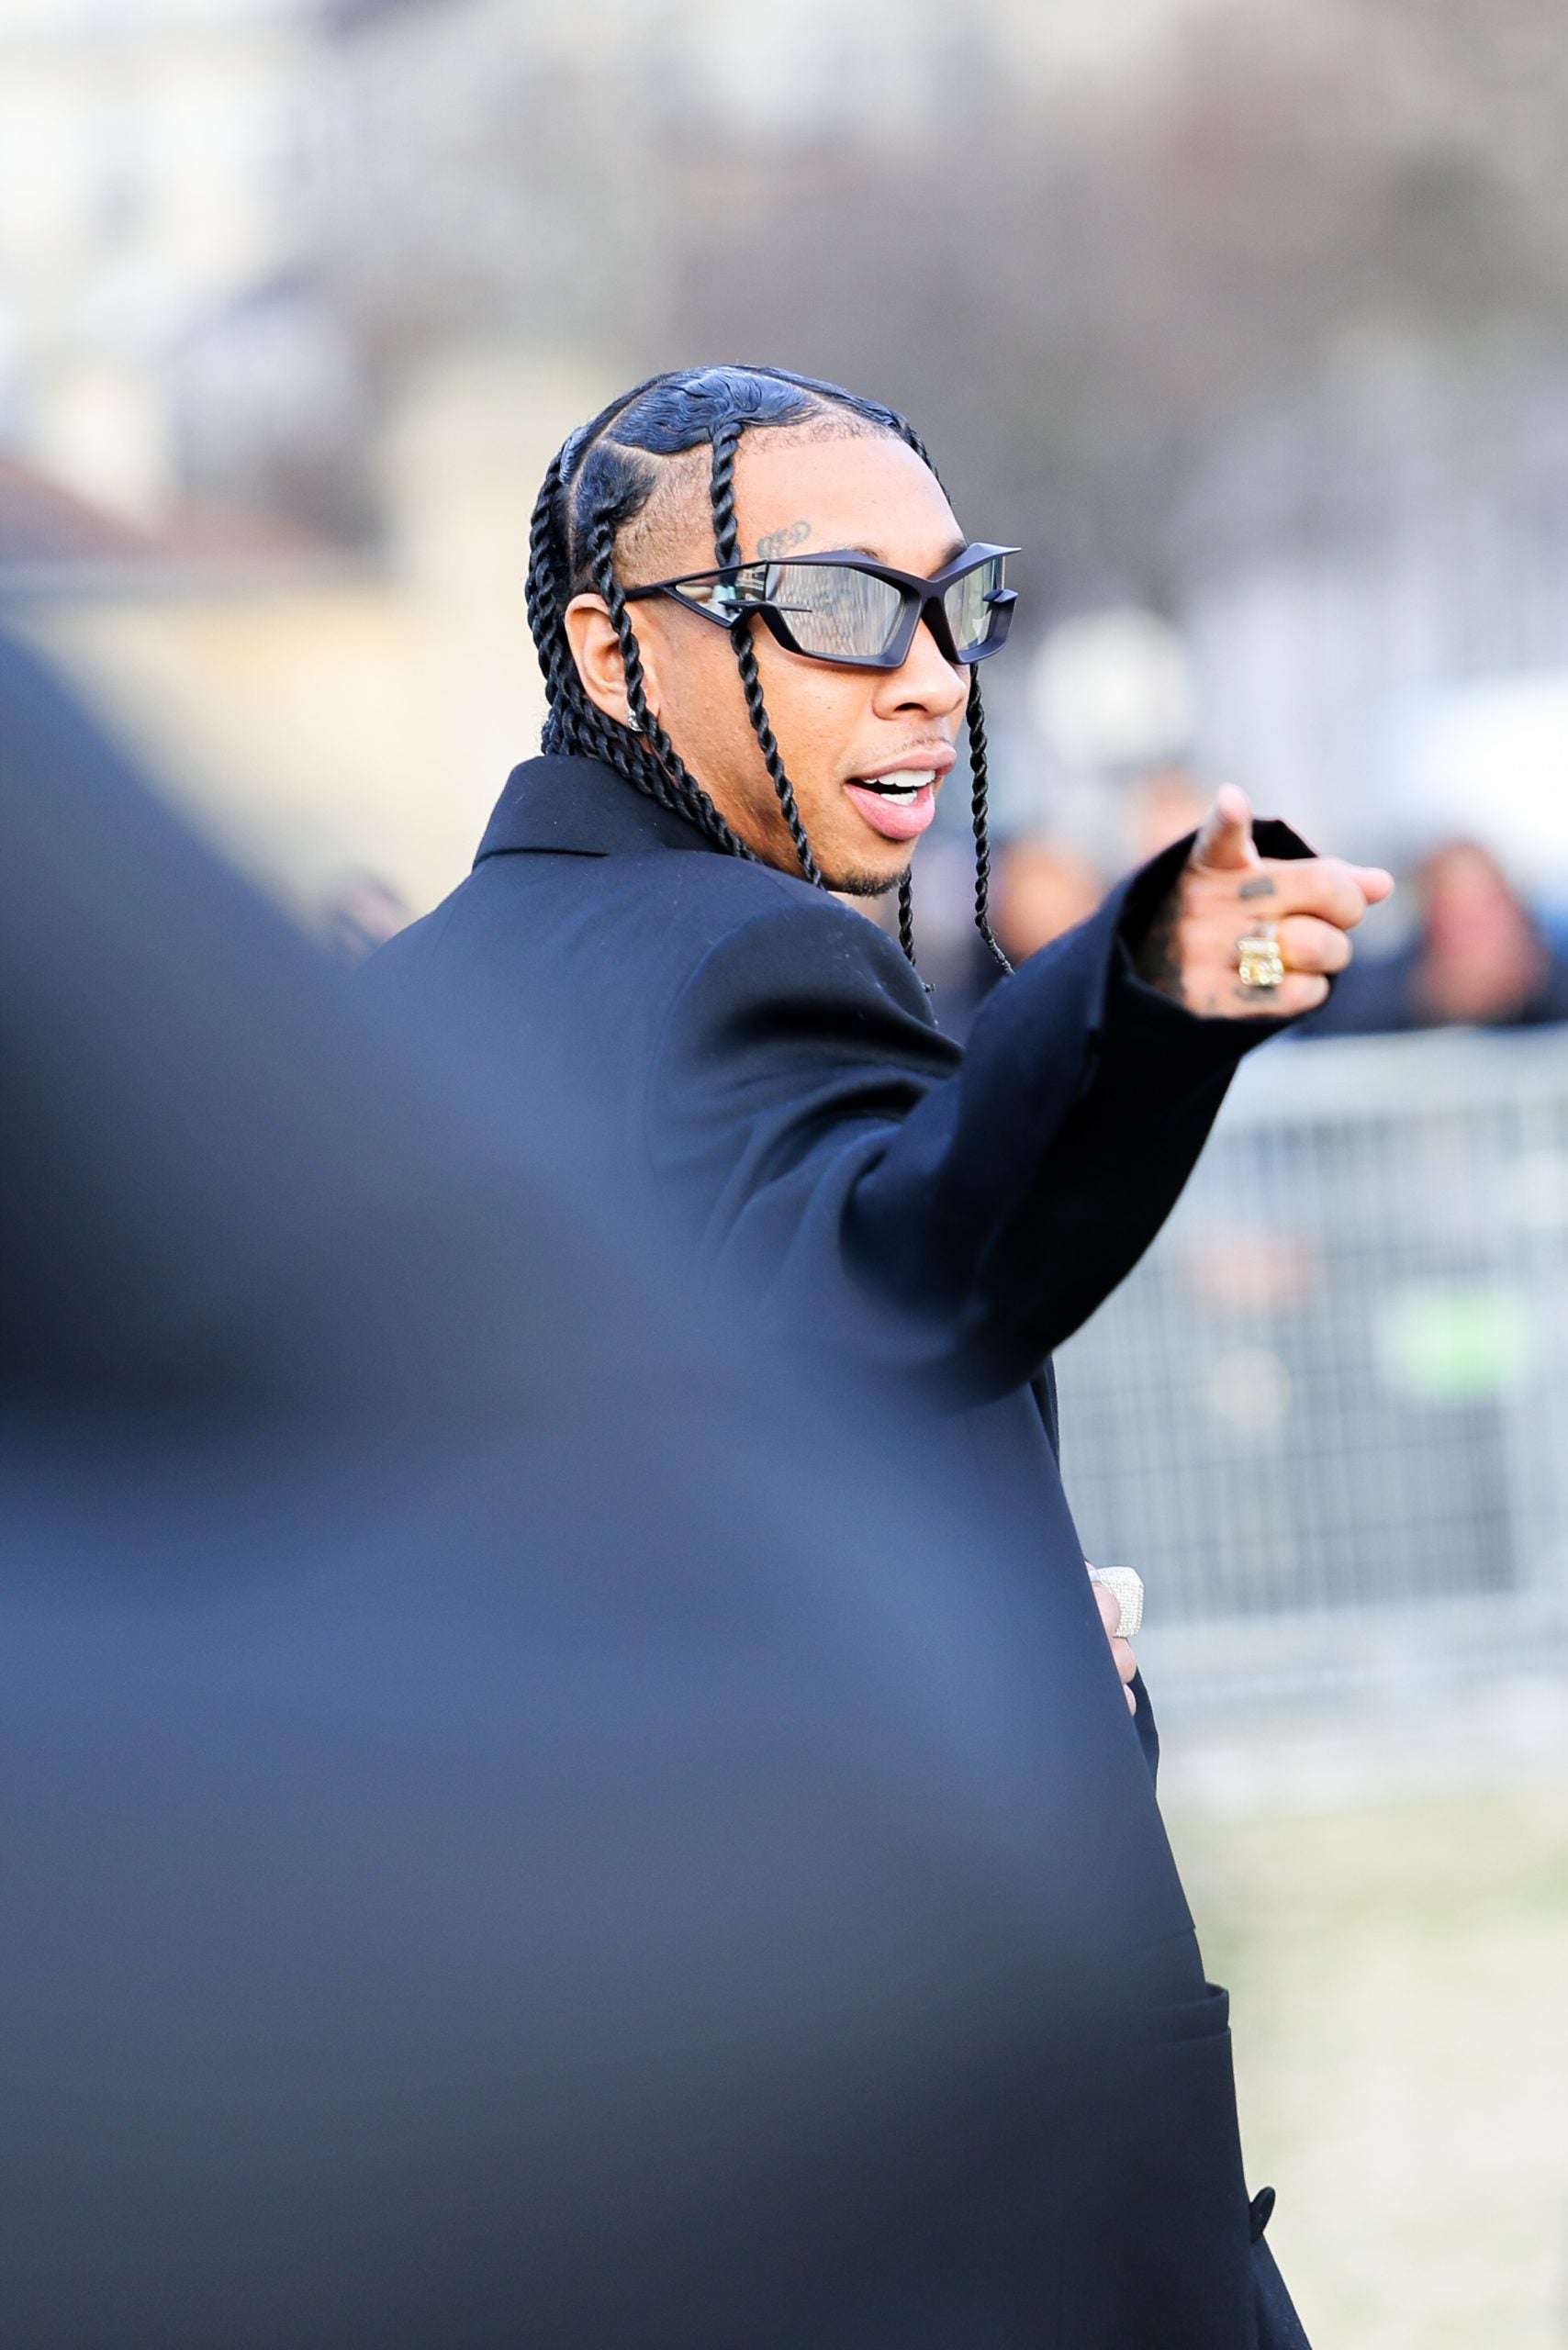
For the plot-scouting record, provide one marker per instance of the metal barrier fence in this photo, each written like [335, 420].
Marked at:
[1327, 1417]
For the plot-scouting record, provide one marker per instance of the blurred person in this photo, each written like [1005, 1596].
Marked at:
[760, 625]
[1478, 958]
[1164, 805]
[362, 914]
[498, 1855]
[1042, 887]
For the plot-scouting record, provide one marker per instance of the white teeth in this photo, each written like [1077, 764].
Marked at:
[903, 783]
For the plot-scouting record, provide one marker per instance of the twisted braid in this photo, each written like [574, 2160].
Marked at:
[903, 430]
[906, 913]
[671, 781]
[542, 592]
[978, 796]
[727, 547]
[574, 724]
[585, 732]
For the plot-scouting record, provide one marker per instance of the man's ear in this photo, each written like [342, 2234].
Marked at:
[595, 649]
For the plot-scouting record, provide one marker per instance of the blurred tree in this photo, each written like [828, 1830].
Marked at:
[1087, 286]
[1084, 304]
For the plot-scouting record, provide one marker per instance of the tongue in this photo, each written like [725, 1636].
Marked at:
[896, 820]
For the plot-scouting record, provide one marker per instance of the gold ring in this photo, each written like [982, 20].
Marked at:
[1260, 962]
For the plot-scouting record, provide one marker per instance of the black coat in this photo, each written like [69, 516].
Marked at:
[765, 1063]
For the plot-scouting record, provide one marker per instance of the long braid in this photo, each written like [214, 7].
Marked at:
[681, 791]
[906, 913]
[573, 724]
[906, 432]
[584, 732]
[976, 719]
[727, 547]
[544, 615]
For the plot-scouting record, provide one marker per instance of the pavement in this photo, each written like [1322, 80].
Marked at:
[1384, 1886]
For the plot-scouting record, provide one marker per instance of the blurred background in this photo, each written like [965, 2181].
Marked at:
[1248, 319]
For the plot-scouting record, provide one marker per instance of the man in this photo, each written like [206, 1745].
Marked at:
[759, 624]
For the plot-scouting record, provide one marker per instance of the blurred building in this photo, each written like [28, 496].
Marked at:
[325, 716]
[1354, 560]
[1251, 324]
[159, 165]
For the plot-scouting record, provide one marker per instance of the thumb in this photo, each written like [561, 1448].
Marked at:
[1226, 845]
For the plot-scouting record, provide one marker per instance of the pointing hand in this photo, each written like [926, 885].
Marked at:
[1304, 907]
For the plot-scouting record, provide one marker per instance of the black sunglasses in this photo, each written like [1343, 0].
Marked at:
[854, 613]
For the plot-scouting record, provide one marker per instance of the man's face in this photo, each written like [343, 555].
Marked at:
[838, 730]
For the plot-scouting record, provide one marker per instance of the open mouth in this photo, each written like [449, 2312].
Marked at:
[904, 786]
[899, 805]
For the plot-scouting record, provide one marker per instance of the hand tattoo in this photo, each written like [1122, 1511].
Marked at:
[1258, 887]
[1157, 960]
[774, 544]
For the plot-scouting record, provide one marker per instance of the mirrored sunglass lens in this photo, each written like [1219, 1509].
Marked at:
[970, 613]
[723, 596]
[832, 610]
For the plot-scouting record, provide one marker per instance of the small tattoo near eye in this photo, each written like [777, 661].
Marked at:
[1261, 888]
[774, 544]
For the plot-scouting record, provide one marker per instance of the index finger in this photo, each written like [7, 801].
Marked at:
[1325, 886]
[1374, 882]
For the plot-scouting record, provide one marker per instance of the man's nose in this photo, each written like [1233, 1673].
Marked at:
[927, 681]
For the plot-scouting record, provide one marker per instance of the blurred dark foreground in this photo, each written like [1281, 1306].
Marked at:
[525, 1826]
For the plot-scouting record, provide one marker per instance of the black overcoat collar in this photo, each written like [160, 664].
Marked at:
[579, 808]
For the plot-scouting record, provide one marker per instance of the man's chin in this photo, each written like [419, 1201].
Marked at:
[855, 882]
[845, 872]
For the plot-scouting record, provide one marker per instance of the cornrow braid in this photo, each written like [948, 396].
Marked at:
[727, 547]
[979, 793]
[681, 791]
[573, 724]
[549, 577]
[544, 614]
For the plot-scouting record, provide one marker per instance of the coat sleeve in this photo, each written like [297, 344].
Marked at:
[955, 1214]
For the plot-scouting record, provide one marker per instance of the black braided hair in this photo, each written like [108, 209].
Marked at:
[906, 912]
[573, 722]
[727, 547]
[680, 791]
[599, 480]
[979, 793]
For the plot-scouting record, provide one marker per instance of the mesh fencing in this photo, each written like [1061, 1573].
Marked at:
[1327, 1418]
